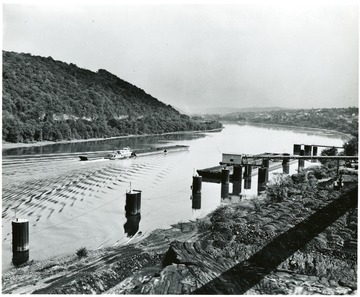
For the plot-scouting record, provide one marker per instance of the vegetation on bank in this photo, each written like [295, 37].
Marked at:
[345, 120]
[44, 99]
[332, 254]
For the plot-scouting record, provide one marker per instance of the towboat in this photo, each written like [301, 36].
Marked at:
[121, 154]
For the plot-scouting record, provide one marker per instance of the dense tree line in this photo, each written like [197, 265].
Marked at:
[44, 99]
[344, 120]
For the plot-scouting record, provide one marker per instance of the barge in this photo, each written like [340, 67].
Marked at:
[136, 152]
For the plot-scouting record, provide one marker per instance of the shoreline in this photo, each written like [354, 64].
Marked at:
[9, 145]
[348, 136]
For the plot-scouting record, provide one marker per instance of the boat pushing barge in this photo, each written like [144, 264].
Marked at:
[136, 152]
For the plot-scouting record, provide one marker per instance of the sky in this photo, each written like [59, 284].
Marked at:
[289, 54]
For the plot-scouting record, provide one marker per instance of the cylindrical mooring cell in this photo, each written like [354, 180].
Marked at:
[247, 171]
[20, 241]
[196, 186]
[286, 164]
[266, 163]
[314, 153]
[224, 190]
[225, 176]
[133, 202]
[196, 201]
[237, 173]
[301, 164]
[262, 178]
[247, 183]
[315, 150]
[262, 175]
[307, 150]
[297, 148]
[286, 167]
[236, 187]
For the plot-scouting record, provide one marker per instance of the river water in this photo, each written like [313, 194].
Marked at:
[72, 204]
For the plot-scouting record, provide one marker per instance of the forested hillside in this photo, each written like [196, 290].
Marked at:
[44, 99]
[344, 120]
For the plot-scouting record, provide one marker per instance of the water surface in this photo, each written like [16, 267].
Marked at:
[72, 204]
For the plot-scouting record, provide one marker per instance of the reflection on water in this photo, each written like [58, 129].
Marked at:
[132, 224]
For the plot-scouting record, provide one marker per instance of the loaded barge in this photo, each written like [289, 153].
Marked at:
[135, 153]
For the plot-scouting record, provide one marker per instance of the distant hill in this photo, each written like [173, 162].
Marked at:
[345, 120]
[229, 110]
[44, 99]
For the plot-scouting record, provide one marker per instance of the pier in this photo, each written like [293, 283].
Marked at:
[301, 153]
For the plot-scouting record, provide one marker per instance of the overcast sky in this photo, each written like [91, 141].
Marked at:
[203, 55]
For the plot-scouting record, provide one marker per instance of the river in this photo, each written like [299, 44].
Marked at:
[72, 204]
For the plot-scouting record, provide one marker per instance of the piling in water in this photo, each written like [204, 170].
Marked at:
[266, 163]
[225, 176]
[297, 148]
[314, 153]
[236, 187]
[262, 178]
[224, 190]
[196, 201]
[20, 241]
[307, 150]
[196, 185]
[133, 202]
[236, 179]
[247, 177]
[237, 173]
[301, 163]
[315, 150]
[286, 165]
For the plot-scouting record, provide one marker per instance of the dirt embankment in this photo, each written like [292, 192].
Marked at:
[297, 246]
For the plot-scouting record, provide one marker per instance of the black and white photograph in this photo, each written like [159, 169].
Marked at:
[180, 147]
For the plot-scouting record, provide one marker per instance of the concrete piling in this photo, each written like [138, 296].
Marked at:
[225, 176]
[307, 150]
[133, 202]
[237, 179]
[297, 148]
[247, 177]
[196, 185]
[314, 153]
[224, 190]
[286, 165]
[266, 163]
[237, 173]
[262, 178]
[301, 163]
[196, 201]
[20, 241]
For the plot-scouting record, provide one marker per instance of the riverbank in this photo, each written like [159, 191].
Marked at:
[7, 145]
[346, 136]
[305, 244]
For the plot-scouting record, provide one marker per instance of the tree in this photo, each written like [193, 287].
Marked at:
[351, 147]
[277, 190]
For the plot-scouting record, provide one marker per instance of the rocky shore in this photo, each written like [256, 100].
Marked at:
[305, 244]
